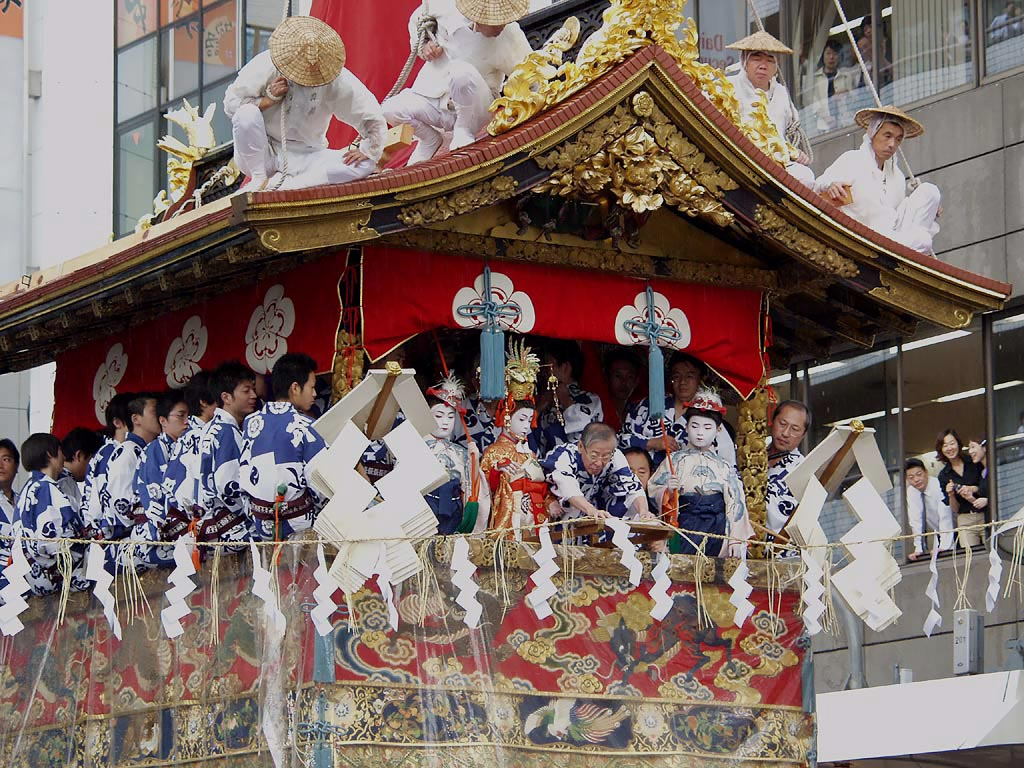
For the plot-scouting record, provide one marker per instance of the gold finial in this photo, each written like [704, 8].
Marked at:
[857, 425]
[392, 367]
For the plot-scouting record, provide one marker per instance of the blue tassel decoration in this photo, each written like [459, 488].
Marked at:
[492, 364]
[656, 382]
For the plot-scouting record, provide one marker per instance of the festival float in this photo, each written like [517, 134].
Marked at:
[616, 199]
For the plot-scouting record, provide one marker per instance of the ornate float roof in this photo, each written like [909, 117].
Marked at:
[633, 133]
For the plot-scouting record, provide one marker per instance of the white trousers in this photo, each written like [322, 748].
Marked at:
[915, 224]
[430, 119]
[307, 166]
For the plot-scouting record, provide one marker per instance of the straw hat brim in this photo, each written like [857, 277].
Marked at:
[760, 41]
[307, 51]
[911, 128]
[494, 13]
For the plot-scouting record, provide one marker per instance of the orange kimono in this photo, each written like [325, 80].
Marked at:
[519, 493]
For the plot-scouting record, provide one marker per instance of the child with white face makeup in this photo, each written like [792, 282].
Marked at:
[461, 505]
[705, 487]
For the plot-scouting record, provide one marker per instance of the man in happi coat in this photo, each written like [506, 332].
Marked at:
[118, 425]
[181, 478]
[789, 425]
[279, 441]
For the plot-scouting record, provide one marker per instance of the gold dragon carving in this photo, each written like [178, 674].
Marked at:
[542, 79]
[638, 155]
[752, 455]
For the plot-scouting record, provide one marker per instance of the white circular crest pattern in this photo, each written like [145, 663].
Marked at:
[664, 314]
[185, 352]
[502, 292]
[266, 338]
[108, 376]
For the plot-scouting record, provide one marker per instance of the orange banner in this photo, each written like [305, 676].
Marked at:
[12, 18]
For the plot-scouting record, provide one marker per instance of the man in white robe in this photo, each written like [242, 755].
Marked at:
[476, 45]
[867, 183]
[758, 73]
[282, 102]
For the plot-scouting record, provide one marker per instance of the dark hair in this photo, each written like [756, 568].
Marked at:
[938, 444]
[865, 23]
[914, 464]
[198, 391]
[37, 451]
[622, 355]
[799, 405]
[228, 376]
[167, 400]
[634, 451]
[137, 405]
[596, 430]
[80, 439]
[715, 416]
[117, 408]
[564, 351]
[11, 448]
[833, 44]
[294, 367]
[682, 357]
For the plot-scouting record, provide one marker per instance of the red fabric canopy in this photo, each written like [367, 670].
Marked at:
[407, 292]
[295, 311]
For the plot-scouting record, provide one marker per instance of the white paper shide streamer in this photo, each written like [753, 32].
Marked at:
[659, 592]
[934, 619]
[13, 593]
[620, 538]
[94, 571]
[326, 586]
[462, 577]
[384, 577]
[182, 586]
[262, 588]
[544, 588]
[995, 575]
[741, 590]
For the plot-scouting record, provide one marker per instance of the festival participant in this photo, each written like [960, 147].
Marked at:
[219, 506]
[867, 183]
[148, 485]
[565, 412]
[926, 510]
[119, 500]
[9, 460]
[118, 425]
[181, 478]
[79, 446]
[622, 372]
[758, 73]
[710, 496]
[44, 516]
[282, 102]
[279, 441]
[463, 504]
[519, 495]
[790, 422]
[476, 46]
[686, 374]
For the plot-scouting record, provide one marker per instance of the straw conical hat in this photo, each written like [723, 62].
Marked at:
[760, 41]
[911, 128]
[493, 12]
[307, 51]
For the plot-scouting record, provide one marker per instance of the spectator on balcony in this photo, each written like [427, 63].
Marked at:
[1006, 25]
[868, 184]
[926, 509]
[978, 497]
[828, 84]
[958, 478]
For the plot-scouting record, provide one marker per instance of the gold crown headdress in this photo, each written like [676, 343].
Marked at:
[521, 369]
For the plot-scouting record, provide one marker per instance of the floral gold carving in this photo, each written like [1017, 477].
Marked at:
[752, 454]
[898, 292]
[643, 163]
[459, 202]
[804, 245]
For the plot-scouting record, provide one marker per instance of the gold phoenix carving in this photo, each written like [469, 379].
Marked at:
[542, 79]
[810, 249]
[458, 202]
[640, 157]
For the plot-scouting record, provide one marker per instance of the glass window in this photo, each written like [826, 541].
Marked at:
[221, 123]
[220, 41]
[136, 79]
[261, 16]
[829, 84]
[925, 48]
[135, 19]
[135, 178]
[176, 10]
[1008, 402]
[1004, 35]
[179, 70]
[722, 22]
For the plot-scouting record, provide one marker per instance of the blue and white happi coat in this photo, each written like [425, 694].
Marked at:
[615, 489]
[118, 498]
[150, 510]
[779, 498]
[8, 516]
[95, 481]
[584, 409]
[44, 515]
[481, 425]
[220, 496]
[69, 487]
[181, 478]
[278, 444]
[638, 427]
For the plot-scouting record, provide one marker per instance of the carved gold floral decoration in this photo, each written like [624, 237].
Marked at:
[458, 202]
[807, 247]
[752, 455]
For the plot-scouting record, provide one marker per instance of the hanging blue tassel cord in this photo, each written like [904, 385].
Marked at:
[492, 338]
[656, 381]
[655, 333]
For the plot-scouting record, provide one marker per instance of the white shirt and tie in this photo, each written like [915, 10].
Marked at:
[927, 511]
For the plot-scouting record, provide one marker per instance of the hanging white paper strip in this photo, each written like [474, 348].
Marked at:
[620, 538]
[94, 571]
[262, 589]
[934, 619]
[462, 577]
[659, 592]
[326, 586]
[544, 588]
[182, 586]
[383, 571]
[13, 593]
[741, 590]
[995, 575]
